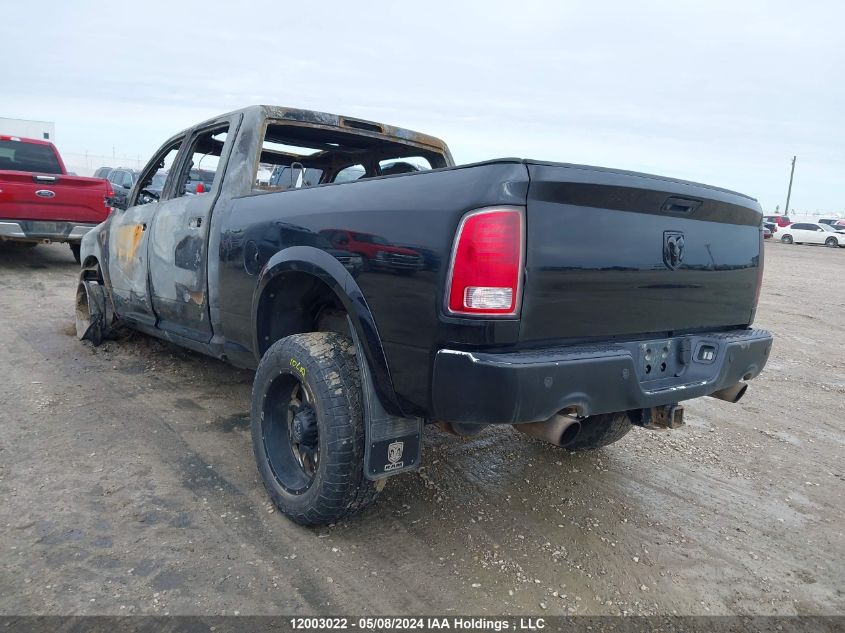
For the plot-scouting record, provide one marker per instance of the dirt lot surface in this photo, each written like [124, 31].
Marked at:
[127, 485]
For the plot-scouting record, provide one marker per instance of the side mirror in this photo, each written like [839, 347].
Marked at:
[146, 196]
[116, 202]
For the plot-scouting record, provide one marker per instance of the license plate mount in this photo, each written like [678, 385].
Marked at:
[657, 359]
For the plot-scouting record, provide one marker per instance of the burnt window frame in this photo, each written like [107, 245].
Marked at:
[182, 166]
[152, 168]
[367, 157]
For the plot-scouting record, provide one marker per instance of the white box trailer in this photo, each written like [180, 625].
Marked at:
[41, 130]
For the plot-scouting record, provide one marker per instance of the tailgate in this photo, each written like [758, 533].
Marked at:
[612, 253]
[52, 197]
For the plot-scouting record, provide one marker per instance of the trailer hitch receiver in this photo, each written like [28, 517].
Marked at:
[667, 416]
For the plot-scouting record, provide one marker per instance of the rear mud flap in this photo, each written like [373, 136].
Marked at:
[393, 444]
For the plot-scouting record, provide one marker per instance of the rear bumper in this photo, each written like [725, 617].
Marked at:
[530, 386]
[39, 231]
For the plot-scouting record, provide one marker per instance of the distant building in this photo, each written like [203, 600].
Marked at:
[43, 130]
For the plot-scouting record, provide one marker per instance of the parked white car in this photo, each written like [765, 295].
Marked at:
[811, 233]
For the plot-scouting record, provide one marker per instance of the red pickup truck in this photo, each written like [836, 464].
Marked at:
[781, 221]
[377, 253]
[40, 202]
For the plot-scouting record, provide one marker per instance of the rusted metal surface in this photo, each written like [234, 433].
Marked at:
[128, 238]
[670, 416]
[313, 118]
[162, 261]
[175, 256]
[361, 127]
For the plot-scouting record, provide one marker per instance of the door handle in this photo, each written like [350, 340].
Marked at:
[680, 205]
[195, 223]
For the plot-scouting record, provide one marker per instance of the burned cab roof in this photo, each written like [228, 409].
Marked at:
[314, 137]
[319, 140]
[358, 127]
[313, 146]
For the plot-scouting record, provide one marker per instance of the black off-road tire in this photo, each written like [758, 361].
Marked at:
[74, 249]
[600, 430]
[323, 363]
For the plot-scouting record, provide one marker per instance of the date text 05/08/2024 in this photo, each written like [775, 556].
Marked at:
[418, 624]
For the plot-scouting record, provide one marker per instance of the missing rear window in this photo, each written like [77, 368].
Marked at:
[295, 155]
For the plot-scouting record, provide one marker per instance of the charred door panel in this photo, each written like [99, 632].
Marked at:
[179, 243]
[128, 237]
[178, 279]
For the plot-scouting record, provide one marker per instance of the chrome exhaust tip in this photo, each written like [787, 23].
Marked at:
[732, 394]
[561, 430]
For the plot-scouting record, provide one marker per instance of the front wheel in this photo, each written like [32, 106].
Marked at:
[91, 312]
[786, 239]
[308, 428]
[832, 242]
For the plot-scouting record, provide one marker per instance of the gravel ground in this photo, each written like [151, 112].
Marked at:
[127, 485]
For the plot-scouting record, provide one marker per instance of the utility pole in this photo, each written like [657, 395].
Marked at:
[789, 191]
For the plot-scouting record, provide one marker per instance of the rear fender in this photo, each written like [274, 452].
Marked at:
[316, 262]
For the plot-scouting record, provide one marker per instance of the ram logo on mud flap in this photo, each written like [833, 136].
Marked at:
[394, 454]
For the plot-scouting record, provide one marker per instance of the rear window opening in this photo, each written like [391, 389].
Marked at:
[33, 157]
[272, 146]
[294, 156]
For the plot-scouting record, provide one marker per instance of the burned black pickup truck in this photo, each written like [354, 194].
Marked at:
[376, 287]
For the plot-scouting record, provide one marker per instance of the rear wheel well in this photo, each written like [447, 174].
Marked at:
[295, 303]
[91, 270]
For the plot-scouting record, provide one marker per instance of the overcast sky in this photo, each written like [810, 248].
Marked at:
[717, 92]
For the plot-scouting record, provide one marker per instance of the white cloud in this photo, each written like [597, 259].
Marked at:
[719, 92]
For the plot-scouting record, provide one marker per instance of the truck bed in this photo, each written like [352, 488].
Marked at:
[594, 267]
[595, 264]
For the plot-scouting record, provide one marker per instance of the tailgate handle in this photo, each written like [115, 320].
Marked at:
[41, 178]
[680, 205]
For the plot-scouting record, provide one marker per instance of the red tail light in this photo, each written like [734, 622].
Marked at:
[759, 279]
[485, 277]
[108, 197]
